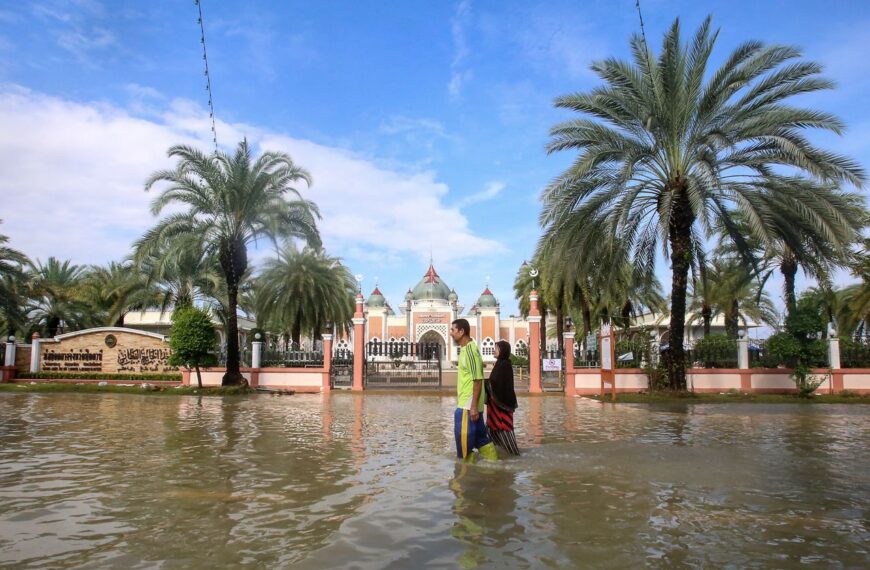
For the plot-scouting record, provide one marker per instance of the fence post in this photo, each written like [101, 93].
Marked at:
[569, 363]
[833, 347]
[327, 361]
[534, 344]
[742, 350]
[34, 353]
[359, 340]
[256, 352]
[10, 351]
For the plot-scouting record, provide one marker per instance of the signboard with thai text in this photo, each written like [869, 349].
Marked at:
[106, 350]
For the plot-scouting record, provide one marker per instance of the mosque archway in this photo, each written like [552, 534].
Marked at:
[434, 337]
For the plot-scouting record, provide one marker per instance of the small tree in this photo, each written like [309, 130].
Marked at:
[805, 325]
[193, 340]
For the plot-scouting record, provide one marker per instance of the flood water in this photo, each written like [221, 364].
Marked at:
[370, 481]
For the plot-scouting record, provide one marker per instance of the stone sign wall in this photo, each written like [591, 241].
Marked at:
[107, 351]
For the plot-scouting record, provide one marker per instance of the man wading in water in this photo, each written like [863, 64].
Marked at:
[468, 425]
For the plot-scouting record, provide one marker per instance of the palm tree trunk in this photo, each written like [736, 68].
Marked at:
[732, 316]
[296, 336]
[234, 261]
[707, 315]
[233, 375]
[52, 326]
[560, 329]
[681, 257]
[788, 268]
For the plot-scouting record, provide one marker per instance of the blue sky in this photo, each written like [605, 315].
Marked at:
[422, 123]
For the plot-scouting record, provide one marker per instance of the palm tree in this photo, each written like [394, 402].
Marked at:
[664, 154]
[180, 273]
[13, 285]
[812, 231]
[302, 290]
[231, 201]
[58, 300]
[738, 295]
[115, 290]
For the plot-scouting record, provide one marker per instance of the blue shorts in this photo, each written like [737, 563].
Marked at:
[469, 435]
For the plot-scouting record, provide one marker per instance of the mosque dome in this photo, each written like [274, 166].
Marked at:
[431, 287]
[376, 299]
[487, 299]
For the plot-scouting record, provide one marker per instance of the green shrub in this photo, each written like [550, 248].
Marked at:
[192, 341]
[782, 349]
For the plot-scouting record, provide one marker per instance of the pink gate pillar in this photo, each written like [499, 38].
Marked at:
[534, 344]
[569, 363]
[327, 362]
[359, 341]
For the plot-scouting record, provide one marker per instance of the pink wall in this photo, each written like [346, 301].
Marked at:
[754, 380]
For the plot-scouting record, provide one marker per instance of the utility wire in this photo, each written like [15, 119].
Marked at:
[207, 76]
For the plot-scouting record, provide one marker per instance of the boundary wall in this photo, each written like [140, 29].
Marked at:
[714, 380]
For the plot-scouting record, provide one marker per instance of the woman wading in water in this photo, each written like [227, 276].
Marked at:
[501, 400]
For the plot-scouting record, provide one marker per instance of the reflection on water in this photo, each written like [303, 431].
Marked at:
[370, 481]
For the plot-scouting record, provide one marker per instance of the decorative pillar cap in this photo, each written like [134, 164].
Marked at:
[11, 338]
[35, 336]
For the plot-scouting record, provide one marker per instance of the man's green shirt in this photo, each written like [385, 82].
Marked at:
[470, 369]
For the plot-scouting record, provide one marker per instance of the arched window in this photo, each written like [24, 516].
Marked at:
[521, 348]
[487, 348]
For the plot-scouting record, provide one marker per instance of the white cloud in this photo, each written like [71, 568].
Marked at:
[491, 190]
[73, 174]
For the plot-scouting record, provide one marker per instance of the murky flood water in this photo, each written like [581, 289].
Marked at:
[370, 481]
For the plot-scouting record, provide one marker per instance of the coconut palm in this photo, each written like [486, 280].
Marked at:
[302, 290]
[667, 149]
[231, 200]
[58, 302]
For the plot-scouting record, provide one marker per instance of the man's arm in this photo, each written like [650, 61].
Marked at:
[475, 398]
[477, 377]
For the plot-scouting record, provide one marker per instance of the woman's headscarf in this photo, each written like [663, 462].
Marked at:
[501, 379]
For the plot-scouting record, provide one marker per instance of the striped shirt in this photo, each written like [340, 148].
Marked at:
[470, 369]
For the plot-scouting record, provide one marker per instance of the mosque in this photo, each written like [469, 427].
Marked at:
[429, 308]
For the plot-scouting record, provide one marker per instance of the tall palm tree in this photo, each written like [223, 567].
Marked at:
[13, 286]
[231, 200]
[666, 149]
[58, 300]
[302, 290]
